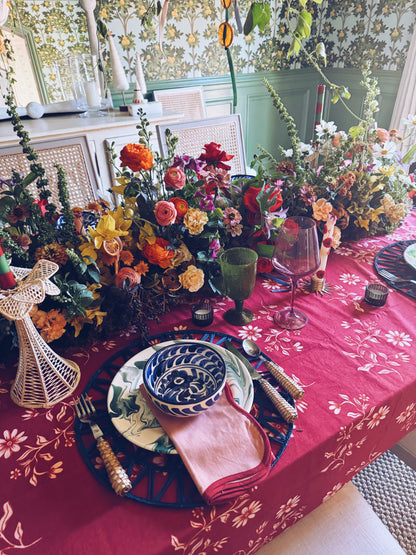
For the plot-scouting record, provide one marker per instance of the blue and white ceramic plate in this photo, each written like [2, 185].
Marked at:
[130, 413]
[409, 255]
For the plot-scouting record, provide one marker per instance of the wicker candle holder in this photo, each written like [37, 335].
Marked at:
[43, 378]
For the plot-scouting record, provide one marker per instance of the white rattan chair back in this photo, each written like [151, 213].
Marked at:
[188, 101]
[73, 156]
[193, 135]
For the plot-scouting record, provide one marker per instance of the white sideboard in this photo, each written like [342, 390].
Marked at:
[63, 138]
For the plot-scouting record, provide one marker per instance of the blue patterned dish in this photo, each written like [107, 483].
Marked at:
[185, 379]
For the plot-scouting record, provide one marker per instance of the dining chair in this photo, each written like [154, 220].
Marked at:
[193, 135]
[72, 154]
[188, 101]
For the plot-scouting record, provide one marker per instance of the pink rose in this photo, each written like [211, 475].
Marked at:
[175, 178]
[165, 212]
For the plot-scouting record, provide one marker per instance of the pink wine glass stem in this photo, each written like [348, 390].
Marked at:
[293, 279]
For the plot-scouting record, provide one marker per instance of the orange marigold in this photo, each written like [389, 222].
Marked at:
[136, 157]
[127, 258]
[51, 324]
[158, 253]
[53, 252]
[142, 267]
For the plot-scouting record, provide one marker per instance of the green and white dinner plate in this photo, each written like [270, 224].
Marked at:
[409, 255]
[133, 418]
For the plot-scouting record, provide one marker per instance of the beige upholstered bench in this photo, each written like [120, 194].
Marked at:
[343, 525]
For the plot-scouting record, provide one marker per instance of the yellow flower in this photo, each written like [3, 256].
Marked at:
[195, 220]
[146, 236]
[321, 209]
[120, 188]
[192, 279]
[125, 41]
[93, 288]
[121, 222]
[78, 322]
[386, 171]
[363, 223]
[105, 231]
[88, 251]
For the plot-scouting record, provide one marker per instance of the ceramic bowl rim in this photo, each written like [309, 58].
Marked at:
[178, 403]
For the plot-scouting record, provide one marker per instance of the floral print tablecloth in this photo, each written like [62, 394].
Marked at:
[356, 363]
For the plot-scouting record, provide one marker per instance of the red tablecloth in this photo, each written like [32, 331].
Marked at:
[356, 363]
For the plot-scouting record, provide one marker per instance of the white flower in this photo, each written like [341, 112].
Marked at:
[410, 120]
[351, 279]
[387, 149]
[328, 127]
[250, 332]
[400, 339]
[305, 148]
[287, 153]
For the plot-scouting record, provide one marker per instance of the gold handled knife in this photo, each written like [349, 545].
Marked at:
[288, 412]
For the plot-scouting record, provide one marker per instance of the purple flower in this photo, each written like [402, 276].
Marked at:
[187, 162]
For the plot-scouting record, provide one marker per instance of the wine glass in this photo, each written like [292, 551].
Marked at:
[239, 269]
[296, 254]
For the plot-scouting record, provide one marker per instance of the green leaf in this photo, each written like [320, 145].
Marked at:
[248, 24]
[408, 157]
[294, 47]
[102, 28]
[303, 26]
[261, 14]
[6, 204]
[28, 179]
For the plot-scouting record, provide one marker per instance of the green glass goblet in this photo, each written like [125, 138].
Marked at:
[239, 269]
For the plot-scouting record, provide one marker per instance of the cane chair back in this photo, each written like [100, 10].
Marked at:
[71, 154]
[193, 135]
[188, 101]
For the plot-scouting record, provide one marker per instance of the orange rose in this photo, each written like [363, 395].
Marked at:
[181, 207]
[136, 157]
[158, 253]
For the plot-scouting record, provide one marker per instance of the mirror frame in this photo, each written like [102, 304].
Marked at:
[26, 35]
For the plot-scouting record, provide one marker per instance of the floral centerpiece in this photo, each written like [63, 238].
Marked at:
[358, 176]
[158, 245]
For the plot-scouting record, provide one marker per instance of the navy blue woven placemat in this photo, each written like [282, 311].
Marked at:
[160, 479]
[391, 258]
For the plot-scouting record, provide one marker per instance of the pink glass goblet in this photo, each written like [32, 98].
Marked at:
[296, 254]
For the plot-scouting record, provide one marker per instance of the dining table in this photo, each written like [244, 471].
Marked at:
[355, 361]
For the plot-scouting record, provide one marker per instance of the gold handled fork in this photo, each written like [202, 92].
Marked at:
[118, 477]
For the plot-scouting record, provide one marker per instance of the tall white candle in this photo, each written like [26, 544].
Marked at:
[91, 92]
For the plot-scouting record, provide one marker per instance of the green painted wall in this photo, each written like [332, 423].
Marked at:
[298, 90]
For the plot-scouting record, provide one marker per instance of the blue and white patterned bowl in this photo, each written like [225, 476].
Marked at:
[185, 379]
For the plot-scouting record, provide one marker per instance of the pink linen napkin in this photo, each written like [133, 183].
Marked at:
[224, 448]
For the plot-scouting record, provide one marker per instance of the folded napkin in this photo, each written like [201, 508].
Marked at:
[224, 448]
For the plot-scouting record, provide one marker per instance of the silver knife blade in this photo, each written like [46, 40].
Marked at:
[288, 412]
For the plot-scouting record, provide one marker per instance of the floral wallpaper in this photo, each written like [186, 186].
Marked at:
[353, 31]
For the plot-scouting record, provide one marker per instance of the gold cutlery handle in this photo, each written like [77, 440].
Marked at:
[287, 383]
[118, 476]
[288, 412]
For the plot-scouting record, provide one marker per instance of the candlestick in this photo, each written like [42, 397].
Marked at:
[7, 280]
[319, 105]
[140, 75]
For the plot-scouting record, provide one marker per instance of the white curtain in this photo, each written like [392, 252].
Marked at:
[406, 96]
